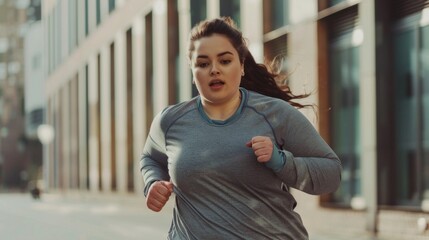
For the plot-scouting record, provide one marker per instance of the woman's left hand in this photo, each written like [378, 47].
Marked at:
[262, 147]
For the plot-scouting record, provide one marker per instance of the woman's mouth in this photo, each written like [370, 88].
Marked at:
[216, 84]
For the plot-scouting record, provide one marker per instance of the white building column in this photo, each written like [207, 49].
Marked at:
[105, 120]
[139, 105]
[185, 87]
[160, 56]
[119, 3]
[213, 9]
[83, 128]
[93, 124]
[302, 54]
[251, 26]
[121, 111]
[368, 102]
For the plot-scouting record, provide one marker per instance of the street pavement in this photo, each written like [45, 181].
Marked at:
[86, 216]
[80, 217]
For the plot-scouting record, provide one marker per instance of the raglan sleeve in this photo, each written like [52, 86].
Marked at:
[153, 161]
[310, 164]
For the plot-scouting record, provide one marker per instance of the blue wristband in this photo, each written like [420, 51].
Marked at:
[277, 160]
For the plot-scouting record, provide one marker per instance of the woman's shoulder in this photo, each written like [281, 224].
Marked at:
[266, 103]
[173, 112]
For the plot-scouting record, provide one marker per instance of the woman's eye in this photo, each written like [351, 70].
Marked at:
[225, 61]
[202, 65]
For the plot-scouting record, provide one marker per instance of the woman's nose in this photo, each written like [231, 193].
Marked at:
[214, 70]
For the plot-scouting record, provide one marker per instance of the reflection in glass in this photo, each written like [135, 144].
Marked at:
[345, 114]
[334, 2]
[405, 91]
[424, 62]
[231, 8]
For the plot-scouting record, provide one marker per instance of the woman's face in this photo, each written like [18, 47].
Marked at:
[216, 69]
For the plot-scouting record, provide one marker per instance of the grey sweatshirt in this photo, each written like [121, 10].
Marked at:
[221, 190]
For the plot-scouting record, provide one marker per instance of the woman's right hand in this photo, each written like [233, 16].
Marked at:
[158, 195]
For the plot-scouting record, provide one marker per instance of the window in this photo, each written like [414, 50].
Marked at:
[334, 2]
[86, 18]
[230, 8]
[411, 91]
[424, 76]
[72, 25]
[276, 14]
[276, 50]
[343, 54]
[198, 11]
[98, 11]
[111, 5]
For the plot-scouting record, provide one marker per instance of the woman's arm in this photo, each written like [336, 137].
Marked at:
[153, 161]
[310, 164]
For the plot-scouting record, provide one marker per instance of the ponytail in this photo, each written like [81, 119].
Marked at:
[259, 78]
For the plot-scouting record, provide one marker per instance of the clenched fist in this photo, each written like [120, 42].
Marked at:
[158, 195]
[262, 147]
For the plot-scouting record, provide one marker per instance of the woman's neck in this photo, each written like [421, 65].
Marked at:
[222, 111]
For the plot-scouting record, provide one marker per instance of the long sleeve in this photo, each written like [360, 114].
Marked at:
[310, 164]
[153, 162]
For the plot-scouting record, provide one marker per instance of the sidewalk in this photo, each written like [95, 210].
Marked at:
[318, 227]
[315, 232]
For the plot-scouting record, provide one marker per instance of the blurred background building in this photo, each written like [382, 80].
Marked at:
[20, 154]
[110, 65]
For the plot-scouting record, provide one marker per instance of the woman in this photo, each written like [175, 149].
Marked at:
[231, 153]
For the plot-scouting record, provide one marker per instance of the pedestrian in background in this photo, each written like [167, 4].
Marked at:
[230, 154]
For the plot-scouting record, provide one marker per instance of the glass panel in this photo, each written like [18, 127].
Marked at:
[344, 66]
[111, 5]
[275, 52]
[86, 18]
[424, 66]
[72, 25]
[405, 91]
[198, 11]
[98, 12]
[278, 14]
[334, 2]
[231, 8]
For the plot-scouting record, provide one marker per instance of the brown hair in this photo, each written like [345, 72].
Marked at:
[258, 77]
